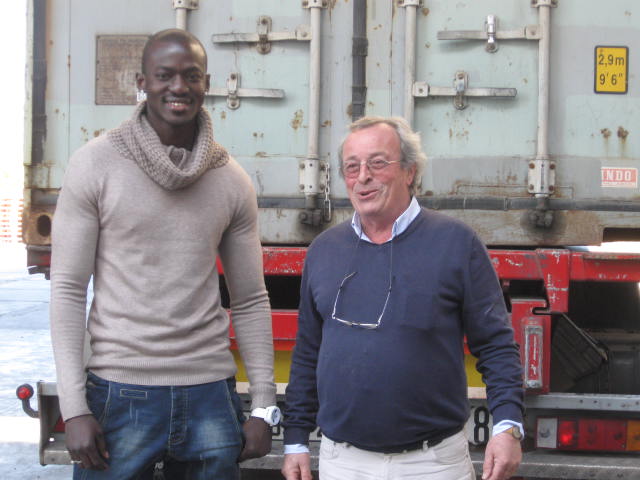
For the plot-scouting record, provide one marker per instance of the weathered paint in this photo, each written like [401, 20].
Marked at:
[482, 151]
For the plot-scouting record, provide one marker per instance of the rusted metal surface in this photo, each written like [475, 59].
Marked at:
[286, 261]
[117, 61]
[278, 261]
[554, 267]
[483, 151]
[550, 266]
[605, 267]
[36, 226]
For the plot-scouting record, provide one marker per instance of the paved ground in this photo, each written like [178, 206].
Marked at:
[25, 356]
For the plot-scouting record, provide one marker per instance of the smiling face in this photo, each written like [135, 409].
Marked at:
[175, 81]
[379, 197]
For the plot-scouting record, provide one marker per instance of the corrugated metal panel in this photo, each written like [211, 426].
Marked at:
[479, 157]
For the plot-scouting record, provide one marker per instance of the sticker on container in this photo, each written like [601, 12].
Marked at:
[619, 177]
[611, 69]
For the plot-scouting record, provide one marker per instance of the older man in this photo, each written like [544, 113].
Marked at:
[378, 363]
[145, 210]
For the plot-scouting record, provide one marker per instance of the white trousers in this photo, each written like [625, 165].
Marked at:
[449, 460]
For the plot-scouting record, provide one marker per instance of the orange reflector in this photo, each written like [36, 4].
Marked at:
[633, 435]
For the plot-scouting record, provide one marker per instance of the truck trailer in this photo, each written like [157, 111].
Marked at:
[527, 111]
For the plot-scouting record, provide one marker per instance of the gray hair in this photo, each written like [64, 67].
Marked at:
[410, 145]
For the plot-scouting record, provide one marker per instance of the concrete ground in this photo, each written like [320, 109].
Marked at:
[25, 357]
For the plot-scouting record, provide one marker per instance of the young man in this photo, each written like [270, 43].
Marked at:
[145, 210]
[379, 357]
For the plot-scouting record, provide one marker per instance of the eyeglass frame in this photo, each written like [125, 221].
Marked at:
[366, 326]
[369, 163]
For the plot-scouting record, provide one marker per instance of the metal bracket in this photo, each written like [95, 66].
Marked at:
[491, 34]
[542, 176]
[188, 4]
[264, 36]
[544, 3]
[460, 92]
[491, 27]
[314, 3]
[264, 26]
[409, 3]
[233, 92]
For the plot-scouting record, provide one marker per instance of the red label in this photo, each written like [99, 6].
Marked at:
[619, 177]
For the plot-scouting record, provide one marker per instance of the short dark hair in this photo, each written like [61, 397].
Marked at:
[172, 35]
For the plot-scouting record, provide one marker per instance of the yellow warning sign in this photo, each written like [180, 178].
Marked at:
[611, 69]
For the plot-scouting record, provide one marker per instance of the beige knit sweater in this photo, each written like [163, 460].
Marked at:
[156, 317]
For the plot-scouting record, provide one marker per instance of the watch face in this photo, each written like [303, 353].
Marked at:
[273, 415]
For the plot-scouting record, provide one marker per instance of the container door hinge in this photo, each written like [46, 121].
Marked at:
[409, 3]
[542, 176]
[491, 34]
[460, 91]
[315, 214]
[544, 3]
[314, 4]
[327, 213]
[264, 36]
[233, 92]
[188, 4]
[542, 179]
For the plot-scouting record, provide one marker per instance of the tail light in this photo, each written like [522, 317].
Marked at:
[588, 434]
[59, 427]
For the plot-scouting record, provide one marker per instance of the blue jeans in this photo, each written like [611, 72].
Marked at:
[196, 431]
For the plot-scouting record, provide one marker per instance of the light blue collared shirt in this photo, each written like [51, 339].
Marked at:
[399, 226]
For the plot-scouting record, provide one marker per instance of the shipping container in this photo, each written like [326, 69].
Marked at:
[527, 111]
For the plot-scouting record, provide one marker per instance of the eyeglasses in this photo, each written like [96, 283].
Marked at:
[368, 326]
[351, 168]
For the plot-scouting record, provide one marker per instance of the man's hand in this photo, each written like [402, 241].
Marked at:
[257, 434]
[501, 457]
[297, 466]
[85, 442]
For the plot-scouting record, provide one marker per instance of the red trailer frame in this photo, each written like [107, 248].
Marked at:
[531, 317]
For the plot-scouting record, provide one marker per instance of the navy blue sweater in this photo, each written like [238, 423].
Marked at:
[404, 381]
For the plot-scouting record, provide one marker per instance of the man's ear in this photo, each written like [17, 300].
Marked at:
[207, 82]
[411, 174]
[140, 81]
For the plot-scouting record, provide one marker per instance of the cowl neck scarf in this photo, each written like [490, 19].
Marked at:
[171, 168]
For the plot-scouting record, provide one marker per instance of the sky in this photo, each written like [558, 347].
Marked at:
[12, 84]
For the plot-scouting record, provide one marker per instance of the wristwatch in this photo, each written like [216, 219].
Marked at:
[514, 432]
[271, 415]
